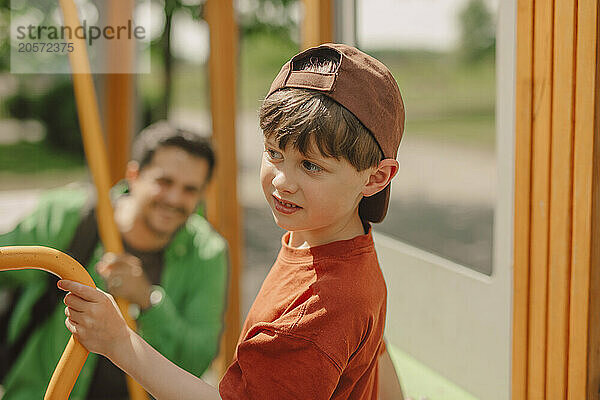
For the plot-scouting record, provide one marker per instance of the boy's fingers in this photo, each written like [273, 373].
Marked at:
[76, 303]
[70, 326]
[85, 292]
[75, 316]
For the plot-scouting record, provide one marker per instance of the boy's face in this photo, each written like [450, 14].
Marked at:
[313, 194]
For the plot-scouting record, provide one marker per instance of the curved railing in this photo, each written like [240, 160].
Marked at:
[65, 267]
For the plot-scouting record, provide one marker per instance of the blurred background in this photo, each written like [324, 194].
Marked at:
[441, 52]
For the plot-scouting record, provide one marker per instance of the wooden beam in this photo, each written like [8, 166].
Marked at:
[118, 92]
[223, 210]
[317, 24]
[584, 328]
[522, 243]
[561, 187]
[118, 120]
[540, 197]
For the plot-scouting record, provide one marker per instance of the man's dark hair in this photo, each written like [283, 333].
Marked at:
[163, 134]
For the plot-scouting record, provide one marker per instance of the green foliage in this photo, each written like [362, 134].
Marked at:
[4, 35]
[268, 16]
[59, 113]
[478, 32]
[55, 108]
[261, 56]
[24, 158]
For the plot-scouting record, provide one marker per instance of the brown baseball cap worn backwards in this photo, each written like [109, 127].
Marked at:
[365, 87]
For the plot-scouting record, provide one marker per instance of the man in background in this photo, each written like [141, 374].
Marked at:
[173, 271]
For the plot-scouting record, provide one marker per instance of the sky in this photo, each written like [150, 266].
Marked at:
[428, 24]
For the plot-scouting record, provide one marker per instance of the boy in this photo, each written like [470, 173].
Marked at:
[332, 121]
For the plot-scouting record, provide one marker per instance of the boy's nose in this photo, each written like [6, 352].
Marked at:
[283, 182]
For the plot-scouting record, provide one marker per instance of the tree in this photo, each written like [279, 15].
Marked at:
[478, 31]
[254, 16]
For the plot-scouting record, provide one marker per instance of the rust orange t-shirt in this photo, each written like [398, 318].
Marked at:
[315, 330]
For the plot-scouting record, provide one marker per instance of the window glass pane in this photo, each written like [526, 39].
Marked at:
[441, 52]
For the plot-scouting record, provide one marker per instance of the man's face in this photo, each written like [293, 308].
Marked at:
[168, 189]
[315, 194]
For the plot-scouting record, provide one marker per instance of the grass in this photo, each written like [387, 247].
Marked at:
[445, 98]
[29, 158]
[475, 130]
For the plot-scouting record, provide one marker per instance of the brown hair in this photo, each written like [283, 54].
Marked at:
[163, 134]
[304, 117]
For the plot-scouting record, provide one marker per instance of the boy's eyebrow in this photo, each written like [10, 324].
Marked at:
[319, 158]
[311, 155]
[270, 142]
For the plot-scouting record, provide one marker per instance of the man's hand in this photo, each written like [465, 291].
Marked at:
[125, 278]
[94, 318]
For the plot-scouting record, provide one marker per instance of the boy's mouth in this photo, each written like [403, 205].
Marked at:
[285, 207]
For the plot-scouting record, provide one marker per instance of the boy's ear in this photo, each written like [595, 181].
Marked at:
[132, 172]
[381, 176]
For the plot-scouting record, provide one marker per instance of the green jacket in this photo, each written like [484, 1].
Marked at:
[185, 326]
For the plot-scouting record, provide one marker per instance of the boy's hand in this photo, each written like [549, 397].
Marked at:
[94, 318]
[125, 278]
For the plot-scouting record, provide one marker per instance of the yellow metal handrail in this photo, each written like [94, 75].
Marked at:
[60, 264]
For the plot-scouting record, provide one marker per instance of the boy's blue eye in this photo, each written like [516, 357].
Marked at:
[311, 167]
[274, 154]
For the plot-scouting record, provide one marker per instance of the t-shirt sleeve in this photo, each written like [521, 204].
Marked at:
[277, 365]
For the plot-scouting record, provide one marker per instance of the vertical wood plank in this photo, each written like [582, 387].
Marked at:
[118, 119]
[559, 264]
[222, 206]
[317, 24]
[521, 244]
[540, 189]
[118, 92]
[584, 180]
[593, 367]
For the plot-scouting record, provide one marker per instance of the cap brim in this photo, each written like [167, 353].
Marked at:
[374, 208]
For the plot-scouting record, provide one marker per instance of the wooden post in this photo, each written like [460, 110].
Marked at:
[522, 228]
[222, 206]
[317, 25]
[118, 92]
[584, 324]
[556, 322]
[561, 187]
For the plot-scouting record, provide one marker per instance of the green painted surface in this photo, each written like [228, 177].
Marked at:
[421, 382]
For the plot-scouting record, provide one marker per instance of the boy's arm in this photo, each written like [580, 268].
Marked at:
[158, 375]
[95, 321]
[389, 383]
